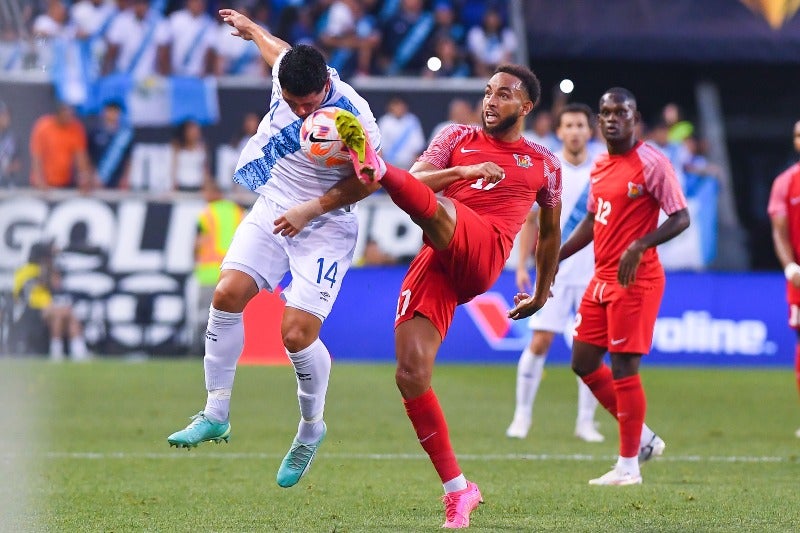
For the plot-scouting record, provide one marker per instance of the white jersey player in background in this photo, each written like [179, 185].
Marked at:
[303, 223]
[574, 129]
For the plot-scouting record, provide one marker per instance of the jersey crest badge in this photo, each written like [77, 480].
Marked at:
[523, 161]
[635, 190]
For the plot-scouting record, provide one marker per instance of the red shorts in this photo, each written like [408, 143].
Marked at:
[439, 280]
[619, 319]
[793, 297]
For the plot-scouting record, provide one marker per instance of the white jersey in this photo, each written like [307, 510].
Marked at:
[272, 163]
[578, 269]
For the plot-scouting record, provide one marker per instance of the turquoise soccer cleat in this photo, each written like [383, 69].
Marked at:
[200, 430]
[298, 460]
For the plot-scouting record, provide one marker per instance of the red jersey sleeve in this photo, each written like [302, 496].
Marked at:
[550, 195]
[660, 180]
[779, 194]
[442, 146]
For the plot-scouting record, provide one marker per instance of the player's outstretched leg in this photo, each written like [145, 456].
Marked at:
[201, 429]
[458, 506]
[369, 167]
[298, 460]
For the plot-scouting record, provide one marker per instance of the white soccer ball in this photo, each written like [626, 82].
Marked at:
[320, 141]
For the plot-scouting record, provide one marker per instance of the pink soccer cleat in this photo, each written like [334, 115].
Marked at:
[458, 505]
[369, 167]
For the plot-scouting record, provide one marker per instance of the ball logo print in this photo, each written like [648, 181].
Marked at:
[320, 141]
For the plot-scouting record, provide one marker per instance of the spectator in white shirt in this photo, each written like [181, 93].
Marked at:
[193, 35]
[236, 56]
[403, 139]
[490, 44]
[138, 42]
[92, 18]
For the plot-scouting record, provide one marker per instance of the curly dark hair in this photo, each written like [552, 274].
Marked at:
[303, 70]
[527, 77]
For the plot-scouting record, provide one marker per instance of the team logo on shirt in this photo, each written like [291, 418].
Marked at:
[635, 190]
[523, 161]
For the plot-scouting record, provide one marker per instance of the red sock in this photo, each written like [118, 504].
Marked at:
[601, 383]
[797, 365]
[410, 194]
[428, 420]
[631, 406]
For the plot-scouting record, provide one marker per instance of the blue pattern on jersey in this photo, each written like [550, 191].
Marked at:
[578, 213]
[287, 141]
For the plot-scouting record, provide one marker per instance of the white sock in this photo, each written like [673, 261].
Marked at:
[529, 376]
[312, 367]
[56, 348]
[77, 348]
[224, 343]
[587, 404]
[647, 435]
[456, 484]
[629, 465]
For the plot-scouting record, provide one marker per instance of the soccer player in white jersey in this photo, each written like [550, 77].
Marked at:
[302, 223]
[574, 129]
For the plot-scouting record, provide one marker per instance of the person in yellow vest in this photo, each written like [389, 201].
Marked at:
[216, 225]
[36, 289]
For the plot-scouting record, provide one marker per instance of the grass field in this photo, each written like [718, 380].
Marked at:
[83, 448]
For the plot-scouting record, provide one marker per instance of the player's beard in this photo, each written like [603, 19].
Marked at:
[501, 127]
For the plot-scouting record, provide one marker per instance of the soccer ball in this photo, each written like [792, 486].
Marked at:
[320, 141]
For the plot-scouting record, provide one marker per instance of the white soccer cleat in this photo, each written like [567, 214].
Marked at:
[617, 478]
[654, 448]
[519, 428]
[587, 431]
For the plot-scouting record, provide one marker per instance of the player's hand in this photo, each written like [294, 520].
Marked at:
[296, 218]
[523, 280]
[525, 305]
[488, 171]
[242, 26]
[629, 263]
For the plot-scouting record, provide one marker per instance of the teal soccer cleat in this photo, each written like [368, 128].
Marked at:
[298, 460]
[200, 430]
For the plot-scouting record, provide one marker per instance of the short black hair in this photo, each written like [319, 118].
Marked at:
[303, 70]
[576, 107]
[622, 94]
[527, 77]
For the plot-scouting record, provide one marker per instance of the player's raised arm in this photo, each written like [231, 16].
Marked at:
[269, 45]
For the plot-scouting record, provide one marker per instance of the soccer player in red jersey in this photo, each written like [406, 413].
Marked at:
[784, 214]
[489, 178]
[617, 314]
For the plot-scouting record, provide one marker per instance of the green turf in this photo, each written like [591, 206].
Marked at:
[84, 449]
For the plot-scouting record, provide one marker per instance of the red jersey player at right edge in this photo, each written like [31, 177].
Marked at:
[489, 178]
[784, 215]
[618, 311]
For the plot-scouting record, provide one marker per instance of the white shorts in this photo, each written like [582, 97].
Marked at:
[318, 257]
[558, 313]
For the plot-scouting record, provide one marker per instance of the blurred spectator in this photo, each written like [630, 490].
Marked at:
[459, 112]
[403, 139]
[451, 62]
[237, 57]
[679, 129]
[92, 18]
[53, 22]
[227, 155]
[138, 42]
[193, 40]
[215, 227]
[542, 131]
[404, 39]
[58, 148]
[10, 165]
[446, 23]
[296, 25]
[374, 256]
[37, 290]
[471, 12]
[110, 144]
[349, 36]
[698, 163]
[189, 161]
[490, 44]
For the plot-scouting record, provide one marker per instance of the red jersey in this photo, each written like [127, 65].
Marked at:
[625, 195]
[532, 173]
[784, 201]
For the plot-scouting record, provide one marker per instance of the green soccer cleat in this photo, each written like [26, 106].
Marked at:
[365, 161]
[298, 460]
[200, 430]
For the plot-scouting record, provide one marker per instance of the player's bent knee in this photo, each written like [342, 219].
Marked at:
[412, 382]
[233, 291]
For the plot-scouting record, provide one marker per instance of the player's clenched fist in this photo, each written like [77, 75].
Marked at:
[490, 172]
